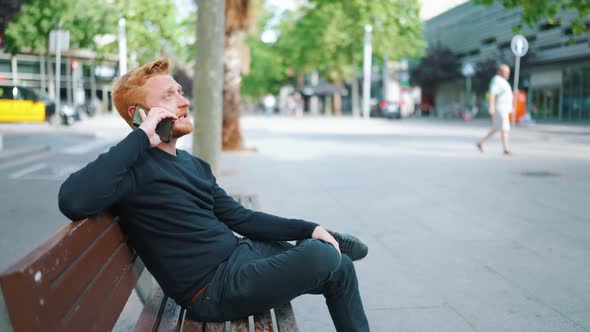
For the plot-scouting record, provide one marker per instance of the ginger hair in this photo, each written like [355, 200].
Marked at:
[128, 90]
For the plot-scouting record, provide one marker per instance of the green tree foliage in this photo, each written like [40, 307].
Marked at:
[439, 64]
[328, 35]
[9, 9]
[152, 29]
[267, 68]
[534, 11]
[29, 29]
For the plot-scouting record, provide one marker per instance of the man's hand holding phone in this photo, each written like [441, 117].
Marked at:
[151, 120]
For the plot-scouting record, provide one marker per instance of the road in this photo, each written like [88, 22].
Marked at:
[459, 241]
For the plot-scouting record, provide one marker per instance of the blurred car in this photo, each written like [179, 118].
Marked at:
[386, 109]
[23, 104]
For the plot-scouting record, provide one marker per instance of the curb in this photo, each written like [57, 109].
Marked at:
[17, 152]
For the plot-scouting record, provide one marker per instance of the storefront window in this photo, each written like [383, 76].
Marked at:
[576, 94]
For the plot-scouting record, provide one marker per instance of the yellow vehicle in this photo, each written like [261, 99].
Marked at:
[22, 104]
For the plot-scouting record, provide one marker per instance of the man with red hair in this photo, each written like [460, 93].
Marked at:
[181, 222]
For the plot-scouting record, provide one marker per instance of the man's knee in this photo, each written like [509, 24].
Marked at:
[320, 256]
[346, 273]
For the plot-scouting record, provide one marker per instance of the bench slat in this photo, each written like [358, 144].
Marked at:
[286, 318]
[215, 327]
[76, 277]
[191, 325]
[63, 247]
[30, 285]
[263, 322]
[170, 317]
[240, 325]
[112, 307]
[152, 311]
[102, 290]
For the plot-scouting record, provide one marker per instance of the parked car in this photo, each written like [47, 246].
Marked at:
[24, 104]
[387, 109]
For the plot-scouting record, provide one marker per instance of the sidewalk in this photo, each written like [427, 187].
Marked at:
[459, 240]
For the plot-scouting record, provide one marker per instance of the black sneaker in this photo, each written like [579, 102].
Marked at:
[351, 246]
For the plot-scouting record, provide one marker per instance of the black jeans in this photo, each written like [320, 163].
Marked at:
[262, 275]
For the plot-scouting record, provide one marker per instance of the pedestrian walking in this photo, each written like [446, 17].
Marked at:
[500, 106]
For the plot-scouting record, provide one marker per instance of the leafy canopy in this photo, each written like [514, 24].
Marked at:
[328, 34]
[535, 11]
[151, 26]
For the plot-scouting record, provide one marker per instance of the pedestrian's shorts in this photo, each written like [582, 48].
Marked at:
[501, 121]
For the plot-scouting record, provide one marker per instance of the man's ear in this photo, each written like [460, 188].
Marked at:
[131, 111]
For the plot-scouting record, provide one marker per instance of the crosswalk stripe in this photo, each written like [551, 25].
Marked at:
[24, 160]
[28, 170]
[86, 147]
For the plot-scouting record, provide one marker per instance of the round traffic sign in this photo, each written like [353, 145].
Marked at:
[468, 69]
[519, 45]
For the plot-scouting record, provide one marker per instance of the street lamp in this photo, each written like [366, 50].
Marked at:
[367, 53]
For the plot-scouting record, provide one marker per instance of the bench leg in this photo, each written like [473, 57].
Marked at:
[144, 285]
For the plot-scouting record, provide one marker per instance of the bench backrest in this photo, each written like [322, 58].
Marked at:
[78, 280]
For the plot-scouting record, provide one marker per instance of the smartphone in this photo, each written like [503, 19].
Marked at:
[163, 129]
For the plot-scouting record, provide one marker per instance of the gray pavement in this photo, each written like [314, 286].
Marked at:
[459, 241]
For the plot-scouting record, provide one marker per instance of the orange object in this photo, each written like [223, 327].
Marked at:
[520, 98]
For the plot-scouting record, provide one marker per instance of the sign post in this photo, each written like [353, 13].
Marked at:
[519, 46]
[468, 70]
[59, 40]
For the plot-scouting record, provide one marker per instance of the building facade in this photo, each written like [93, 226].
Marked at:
[83, 79]
[555, 73]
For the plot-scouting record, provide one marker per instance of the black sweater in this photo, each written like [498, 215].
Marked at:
[172, 210]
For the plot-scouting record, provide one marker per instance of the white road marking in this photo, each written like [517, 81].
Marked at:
[24, 160]
[86, 147]
[28, 170]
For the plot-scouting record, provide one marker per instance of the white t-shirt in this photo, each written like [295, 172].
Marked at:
[500, 87]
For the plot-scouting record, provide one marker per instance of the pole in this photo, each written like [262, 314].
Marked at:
[57, 73]
[314, 101]
[208, 80]
[122, 47]
[42, 71]
[69, 80]
[93, 86]
[468, 104]
[367, 53]
[14, 65]
[515, 88]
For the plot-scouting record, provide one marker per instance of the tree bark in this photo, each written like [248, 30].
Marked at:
[328, 105]
[208, 82]
[338, 100]
[232, 103]
[355, 98]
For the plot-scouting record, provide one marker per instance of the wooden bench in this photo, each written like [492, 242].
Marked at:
[81, 278]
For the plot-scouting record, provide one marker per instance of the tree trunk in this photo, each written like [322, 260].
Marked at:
[338, 100]
[232, 104]
[355, 98]
[328, 105]
[208, 82]
[300, 80]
